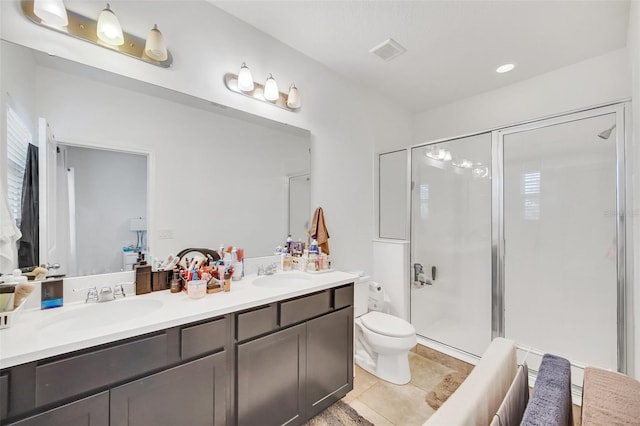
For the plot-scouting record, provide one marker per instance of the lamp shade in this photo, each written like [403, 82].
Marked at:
[271, 92]
[293, 98]
[109, 29]
[51, 12]
[155, 48]
[245, 79]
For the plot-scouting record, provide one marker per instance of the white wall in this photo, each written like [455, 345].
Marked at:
[345, 121]
[595, 81]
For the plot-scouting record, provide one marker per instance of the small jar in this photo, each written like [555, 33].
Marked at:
[197, 289]
[227, 282]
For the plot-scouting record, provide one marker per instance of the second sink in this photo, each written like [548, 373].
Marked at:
[95, 315]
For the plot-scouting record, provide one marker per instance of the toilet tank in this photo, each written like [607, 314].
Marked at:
[361, 296]
[368, 296]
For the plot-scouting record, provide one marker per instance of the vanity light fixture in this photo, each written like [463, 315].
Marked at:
[271, 92]
[109, 28]
[245, 79]
[293, 98]
[51, 12]
[155, 48]
[244, 84]
[505, 68]
[106, 32]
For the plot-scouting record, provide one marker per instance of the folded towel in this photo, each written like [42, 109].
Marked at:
[515, 401]
[609, 398]
[550, 402]
[319, 230]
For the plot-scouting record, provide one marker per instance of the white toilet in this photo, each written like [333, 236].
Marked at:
[382, 341]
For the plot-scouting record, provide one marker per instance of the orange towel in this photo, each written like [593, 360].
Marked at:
[319, 230]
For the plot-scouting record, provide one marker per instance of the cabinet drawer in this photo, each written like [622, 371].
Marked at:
[4, 396]
[305, 307]
[90, 411]
[343, 296]
[203, 338]
[71, 376]
[256, 322]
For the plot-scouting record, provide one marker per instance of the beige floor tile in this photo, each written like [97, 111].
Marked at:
[402, 405]
[362, 381]
[425, 373]
[369, 414]
[443, 359]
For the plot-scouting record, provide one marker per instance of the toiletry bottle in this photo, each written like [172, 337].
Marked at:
[287, 244]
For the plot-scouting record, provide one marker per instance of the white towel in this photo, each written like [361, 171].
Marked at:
[9, 236]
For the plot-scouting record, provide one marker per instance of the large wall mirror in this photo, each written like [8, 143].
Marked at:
[200, 175]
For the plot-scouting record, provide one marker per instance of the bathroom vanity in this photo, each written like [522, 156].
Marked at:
[255, 355]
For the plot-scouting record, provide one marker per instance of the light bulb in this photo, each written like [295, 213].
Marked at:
[155, 47]
[109, 29]
[293, 98]
[271, 92]
[51, 12]
[245, 79]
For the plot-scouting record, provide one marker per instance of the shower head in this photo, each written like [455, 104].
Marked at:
[606, 134]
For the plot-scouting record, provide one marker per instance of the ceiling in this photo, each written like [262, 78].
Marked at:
[453, 47]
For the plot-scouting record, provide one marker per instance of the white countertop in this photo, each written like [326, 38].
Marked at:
[32, 337]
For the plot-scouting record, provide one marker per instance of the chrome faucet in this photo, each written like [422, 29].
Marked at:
[105, 294]
[419, 278]
[268, 270]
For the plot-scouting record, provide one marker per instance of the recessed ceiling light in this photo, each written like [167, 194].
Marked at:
[505, 68]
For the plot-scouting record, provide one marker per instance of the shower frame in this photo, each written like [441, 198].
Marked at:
[621, 109]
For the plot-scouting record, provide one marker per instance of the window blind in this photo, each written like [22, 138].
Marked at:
[18, 140]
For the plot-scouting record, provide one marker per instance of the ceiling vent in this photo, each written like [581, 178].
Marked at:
[388, 49]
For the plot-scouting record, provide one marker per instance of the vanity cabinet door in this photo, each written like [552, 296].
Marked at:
[90, 411]
[191, 394]
[271, 378]
[329, 359]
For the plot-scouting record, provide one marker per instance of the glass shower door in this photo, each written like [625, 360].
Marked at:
[560, 190]
[451, 242]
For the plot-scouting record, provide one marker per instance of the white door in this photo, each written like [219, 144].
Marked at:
[47, 149]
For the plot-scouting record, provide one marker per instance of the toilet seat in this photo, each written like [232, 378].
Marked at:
[387, 325]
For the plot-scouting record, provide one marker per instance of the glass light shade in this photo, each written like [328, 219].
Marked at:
[271, 92]
[245, 79]
[293, 98]
[109, 29]
[51, 12]
[155, 47]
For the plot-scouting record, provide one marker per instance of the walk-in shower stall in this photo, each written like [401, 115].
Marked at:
[520, 232]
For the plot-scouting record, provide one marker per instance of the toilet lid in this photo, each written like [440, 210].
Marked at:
[387, 325]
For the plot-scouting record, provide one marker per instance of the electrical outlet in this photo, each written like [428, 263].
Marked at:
[165, 234]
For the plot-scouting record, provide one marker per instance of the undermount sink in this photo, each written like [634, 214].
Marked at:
[283, 280]
[96, 315]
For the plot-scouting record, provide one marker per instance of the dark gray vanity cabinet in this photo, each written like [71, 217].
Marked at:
[89, 411]
[271, 378]
[191, 393]
[304, 365]
[329, 359]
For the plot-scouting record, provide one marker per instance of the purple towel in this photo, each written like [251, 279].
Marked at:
[550, 403]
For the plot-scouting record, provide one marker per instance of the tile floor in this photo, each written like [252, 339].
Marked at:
[386, 404]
